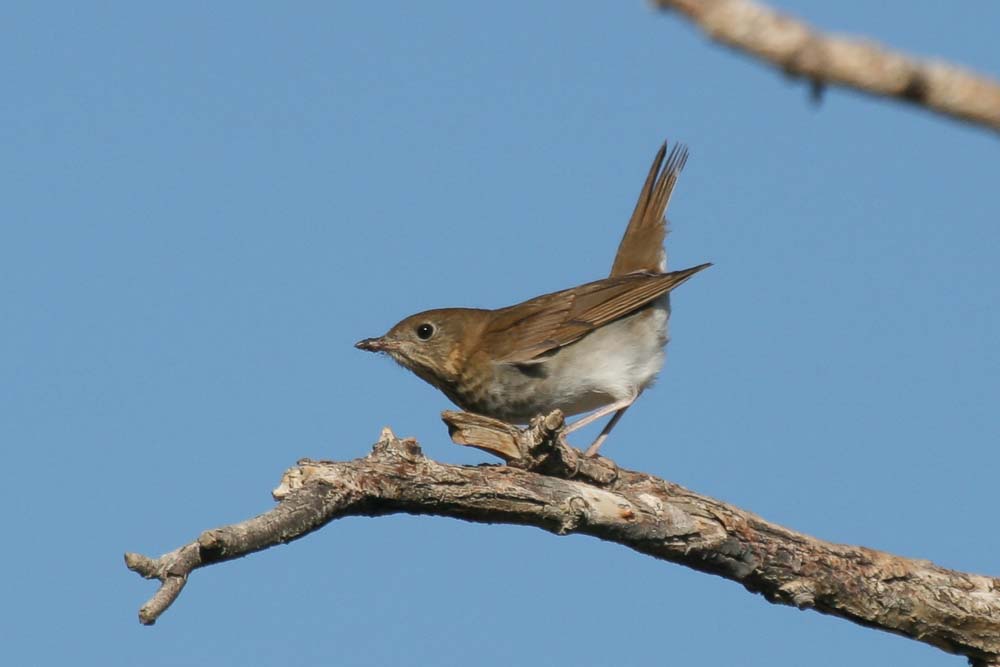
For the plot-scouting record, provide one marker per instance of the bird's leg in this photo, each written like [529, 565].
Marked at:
[594, 446]
[597, 414]
[618, 407]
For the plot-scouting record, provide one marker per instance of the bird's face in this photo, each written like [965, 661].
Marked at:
[431, 344]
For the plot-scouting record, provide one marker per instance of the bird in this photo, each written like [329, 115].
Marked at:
[593, 348]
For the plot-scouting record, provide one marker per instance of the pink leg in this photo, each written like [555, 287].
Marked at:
[597, 414]
[592, 450]
[618, 407]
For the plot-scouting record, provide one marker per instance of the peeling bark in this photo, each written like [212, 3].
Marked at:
[552, 486]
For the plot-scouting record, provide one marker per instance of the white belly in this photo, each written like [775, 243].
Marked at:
[610, 364]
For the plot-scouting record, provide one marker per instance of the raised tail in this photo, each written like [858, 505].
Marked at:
[641, 248]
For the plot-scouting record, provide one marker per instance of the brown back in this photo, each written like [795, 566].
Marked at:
[521, 333]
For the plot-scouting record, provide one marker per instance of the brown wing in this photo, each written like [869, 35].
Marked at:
[519, 334]
[641, 248]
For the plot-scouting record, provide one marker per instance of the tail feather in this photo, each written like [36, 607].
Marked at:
[641, 247]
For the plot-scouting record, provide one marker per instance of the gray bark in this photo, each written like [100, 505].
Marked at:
[554, 487]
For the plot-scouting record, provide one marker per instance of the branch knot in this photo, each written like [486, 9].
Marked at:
[538, 448]
[391, 447]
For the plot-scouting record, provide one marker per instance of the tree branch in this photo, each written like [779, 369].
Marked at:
[552, 486]
[800, 50]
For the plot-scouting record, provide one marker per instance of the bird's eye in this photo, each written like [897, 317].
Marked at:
[425, 331]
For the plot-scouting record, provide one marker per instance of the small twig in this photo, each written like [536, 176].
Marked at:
[171, 569]
[800, 50]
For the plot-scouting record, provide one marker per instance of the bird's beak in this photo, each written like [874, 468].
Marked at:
[374, 344]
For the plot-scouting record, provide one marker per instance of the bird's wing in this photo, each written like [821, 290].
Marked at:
[641, 247]
[522, 333]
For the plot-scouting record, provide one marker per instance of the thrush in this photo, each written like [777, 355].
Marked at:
[591, 348]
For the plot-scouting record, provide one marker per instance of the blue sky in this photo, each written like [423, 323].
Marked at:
[204, 207]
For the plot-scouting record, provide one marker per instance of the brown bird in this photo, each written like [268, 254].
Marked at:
[592, 348]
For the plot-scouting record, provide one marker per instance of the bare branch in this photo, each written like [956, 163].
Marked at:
[957, 612]
[800, 50]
